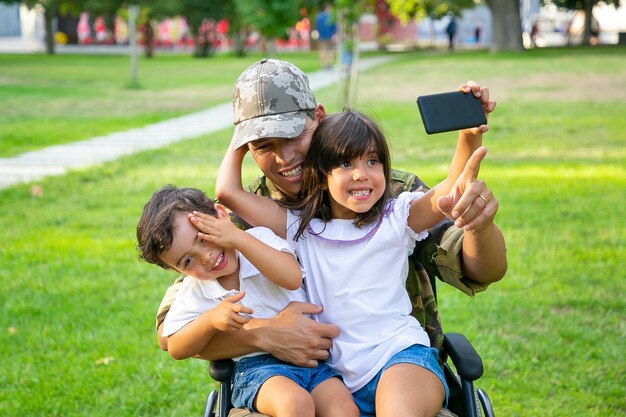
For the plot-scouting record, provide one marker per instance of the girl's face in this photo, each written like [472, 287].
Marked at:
[193, 256]
[355, 186]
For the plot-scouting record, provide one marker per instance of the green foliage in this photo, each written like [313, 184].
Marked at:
[351, 10]
[406, 10]
[197, 10]
[270, 18]
[103, 7]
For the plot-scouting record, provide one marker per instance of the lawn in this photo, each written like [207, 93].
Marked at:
[47, 100]
[77, 330]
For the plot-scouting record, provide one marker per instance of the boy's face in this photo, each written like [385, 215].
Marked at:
[198, 258]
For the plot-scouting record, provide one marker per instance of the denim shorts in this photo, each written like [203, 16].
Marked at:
[426, 357]
[251, 372]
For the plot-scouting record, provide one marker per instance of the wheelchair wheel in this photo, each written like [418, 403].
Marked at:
[211, 402]
[485, 403]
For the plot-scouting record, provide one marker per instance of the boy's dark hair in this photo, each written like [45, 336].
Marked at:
[340, 137]
[155, 228]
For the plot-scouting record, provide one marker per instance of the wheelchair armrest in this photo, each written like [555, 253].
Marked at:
[221, 370]
[463, 355]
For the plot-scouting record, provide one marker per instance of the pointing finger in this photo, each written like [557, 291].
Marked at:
[472, 167]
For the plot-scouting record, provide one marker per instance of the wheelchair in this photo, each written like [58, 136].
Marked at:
[465, 400]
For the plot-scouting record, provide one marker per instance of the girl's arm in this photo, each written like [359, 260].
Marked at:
[254, 209]
[280, 267]
[425, 212]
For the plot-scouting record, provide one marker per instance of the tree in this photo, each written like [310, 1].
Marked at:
[201, 16]
[406, 10]
[348, 13]
[269, 17]
[587, 6]
[507, 25]
[50, 9]
[236, 29]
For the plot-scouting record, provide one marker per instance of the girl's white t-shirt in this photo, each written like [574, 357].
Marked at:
[358, 276]
[265, 298]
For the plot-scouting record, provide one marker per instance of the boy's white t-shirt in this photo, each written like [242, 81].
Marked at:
[358, 276]
[265, 298]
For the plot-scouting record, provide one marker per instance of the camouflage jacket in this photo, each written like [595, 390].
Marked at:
[438, 256]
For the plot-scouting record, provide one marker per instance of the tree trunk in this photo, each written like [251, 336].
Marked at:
[354, 69]
[507, 26]
[239, 43]
[588, 4]
[201, 46]
[49, 13]
[148, 39]
[433, 32]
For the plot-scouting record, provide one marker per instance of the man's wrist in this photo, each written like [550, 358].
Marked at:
[256, 334]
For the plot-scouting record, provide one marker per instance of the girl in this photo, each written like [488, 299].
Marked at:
[353, 242]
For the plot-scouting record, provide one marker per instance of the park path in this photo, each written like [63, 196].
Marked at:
[57, 160]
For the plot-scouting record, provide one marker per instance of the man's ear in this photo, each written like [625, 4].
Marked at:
[320, 112]
[222, 212]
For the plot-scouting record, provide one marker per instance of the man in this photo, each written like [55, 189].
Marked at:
[275, 116]
[326, 33]
[451, 31]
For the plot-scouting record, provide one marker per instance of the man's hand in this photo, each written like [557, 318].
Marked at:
[470, 204]
[297, 339]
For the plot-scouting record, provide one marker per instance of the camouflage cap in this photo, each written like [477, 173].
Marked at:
[270, 100]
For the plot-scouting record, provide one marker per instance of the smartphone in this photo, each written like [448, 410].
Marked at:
[445, 112]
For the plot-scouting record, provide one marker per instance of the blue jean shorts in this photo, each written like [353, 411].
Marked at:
[424, 356]
[251, 372]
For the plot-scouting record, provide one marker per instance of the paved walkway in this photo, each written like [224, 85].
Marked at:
[56, 160]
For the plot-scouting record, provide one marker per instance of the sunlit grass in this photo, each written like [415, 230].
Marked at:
[48, 100]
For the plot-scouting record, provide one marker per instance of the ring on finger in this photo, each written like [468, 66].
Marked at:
[484, 199]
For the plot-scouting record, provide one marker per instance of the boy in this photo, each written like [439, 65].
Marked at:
[183, 230]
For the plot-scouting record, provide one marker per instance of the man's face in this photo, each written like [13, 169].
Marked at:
[281, 159]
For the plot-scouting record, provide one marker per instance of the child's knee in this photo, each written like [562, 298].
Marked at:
[345, 409]
[296, 404]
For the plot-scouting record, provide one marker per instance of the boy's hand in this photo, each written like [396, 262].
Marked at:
[488, 105]
[217, 230]
[228, 315]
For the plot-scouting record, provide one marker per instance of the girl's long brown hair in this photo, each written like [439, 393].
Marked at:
[340, 137]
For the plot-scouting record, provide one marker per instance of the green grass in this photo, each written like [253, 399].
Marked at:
[48, 100]
[77, 334]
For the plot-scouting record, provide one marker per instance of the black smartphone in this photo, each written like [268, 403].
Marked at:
[456, 110]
